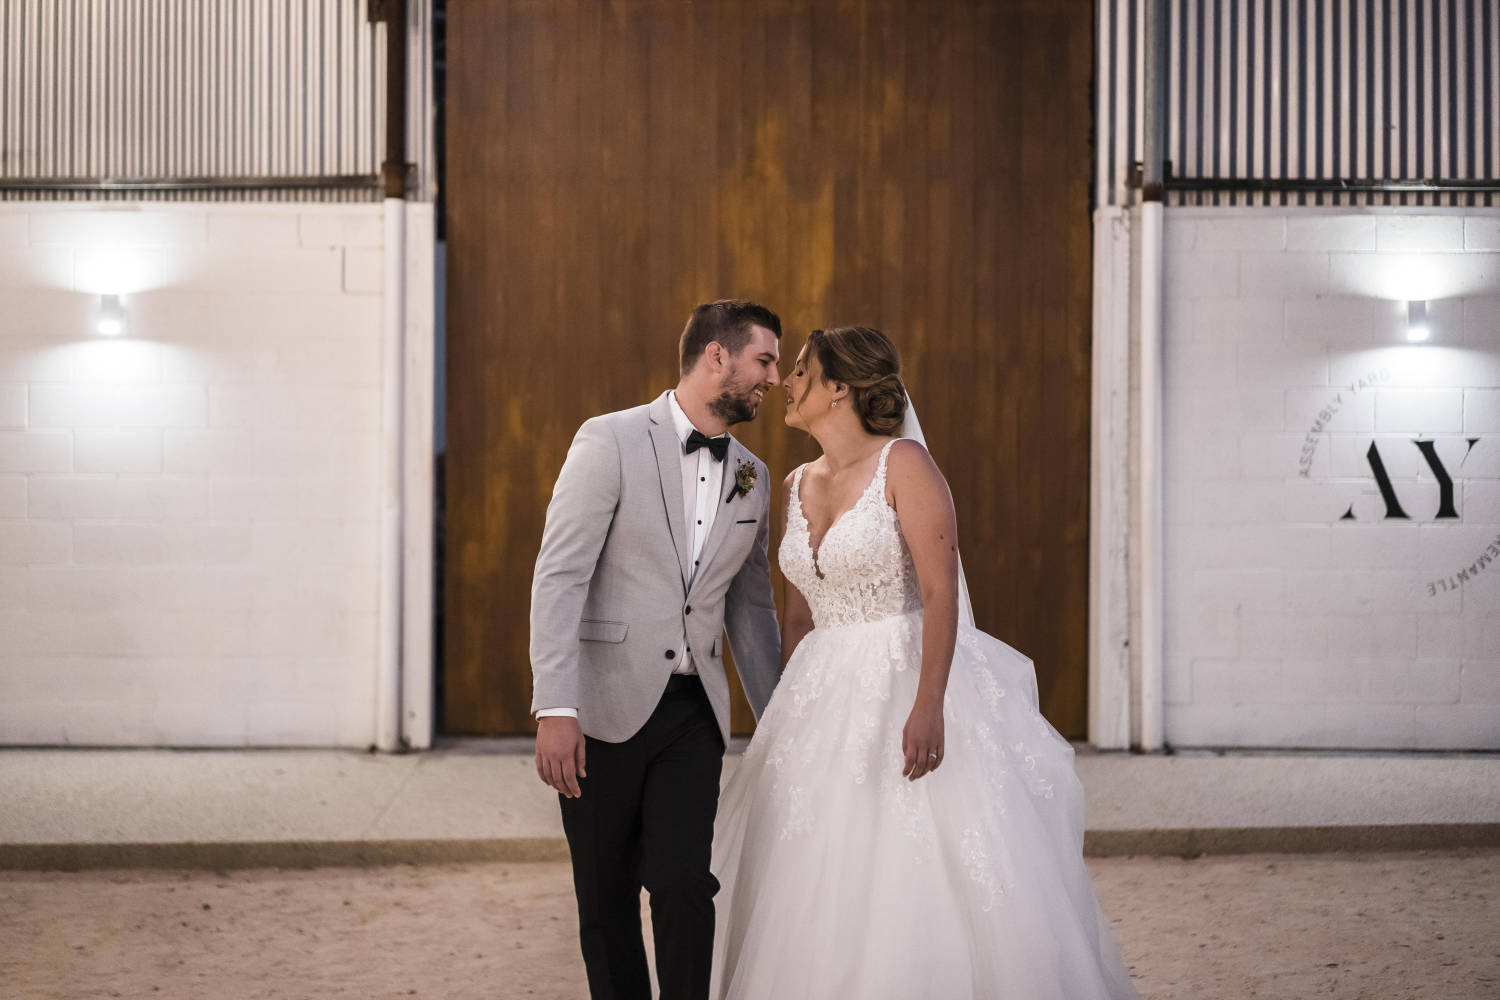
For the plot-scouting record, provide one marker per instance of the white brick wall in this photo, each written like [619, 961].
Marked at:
[1285, 360]
[1330, 232]
[189, 514]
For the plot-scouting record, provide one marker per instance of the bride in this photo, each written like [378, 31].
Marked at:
[904, 824]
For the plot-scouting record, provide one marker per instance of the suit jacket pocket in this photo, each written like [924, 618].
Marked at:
[595, 630]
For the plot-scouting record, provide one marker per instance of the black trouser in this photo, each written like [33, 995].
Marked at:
[646, 818]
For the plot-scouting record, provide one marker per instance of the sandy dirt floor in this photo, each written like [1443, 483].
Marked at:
[1421, 925]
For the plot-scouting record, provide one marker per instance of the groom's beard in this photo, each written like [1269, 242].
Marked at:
[736, 402]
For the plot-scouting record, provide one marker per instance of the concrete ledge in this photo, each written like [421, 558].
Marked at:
[481, 801]
[224, 856]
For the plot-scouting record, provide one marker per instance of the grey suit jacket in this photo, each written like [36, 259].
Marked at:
[610, 597]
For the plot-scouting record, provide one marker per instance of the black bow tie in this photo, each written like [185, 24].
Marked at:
[717, 446]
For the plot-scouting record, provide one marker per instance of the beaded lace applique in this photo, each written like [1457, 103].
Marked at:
[862, 570]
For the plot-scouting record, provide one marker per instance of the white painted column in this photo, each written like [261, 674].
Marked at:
[388, 687]
[417, 473]
[1109, 502]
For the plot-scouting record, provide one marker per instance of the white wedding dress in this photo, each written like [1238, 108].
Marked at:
[842, 879]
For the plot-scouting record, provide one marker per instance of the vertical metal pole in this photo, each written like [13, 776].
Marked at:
[395, 169]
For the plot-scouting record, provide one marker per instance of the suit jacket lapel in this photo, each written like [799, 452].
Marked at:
[669, 467]
[724, 517]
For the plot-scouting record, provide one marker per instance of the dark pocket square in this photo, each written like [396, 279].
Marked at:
[751, 521]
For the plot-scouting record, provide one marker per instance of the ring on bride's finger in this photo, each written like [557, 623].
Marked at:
[932, 755]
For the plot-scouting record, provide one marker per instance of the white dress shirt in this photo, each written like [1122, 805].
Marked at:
[702, 486]
[702, 479]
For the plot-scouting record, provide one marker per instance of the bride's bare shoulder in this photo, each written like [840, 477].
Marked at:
[906, 446]
[908, 457]
[910, 470]
[812, 469]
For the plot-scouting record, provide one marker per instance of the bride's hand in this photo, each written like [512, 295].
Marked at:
[922, 742]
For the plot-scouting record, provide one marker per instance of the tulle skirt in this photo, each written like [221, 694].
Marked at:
[841, 879]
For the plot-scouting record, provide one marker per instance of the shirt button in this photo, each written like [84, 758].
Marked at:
[702, 479]
[671, 654]
[700, 521]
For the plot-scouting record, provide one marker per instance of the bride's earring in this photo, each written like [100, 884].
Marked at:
[833, 404]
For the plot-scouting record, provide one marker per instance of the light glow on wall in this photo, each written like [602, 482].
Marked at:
[1433, 365]
[1413, 276]
[116, 271]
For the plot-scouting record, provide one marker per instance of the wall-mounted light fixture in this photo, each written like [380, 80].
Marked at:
[111, 321]
[1417, 328]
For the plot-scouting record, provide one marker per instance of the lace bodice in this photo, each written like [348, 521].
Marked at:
[862, 571]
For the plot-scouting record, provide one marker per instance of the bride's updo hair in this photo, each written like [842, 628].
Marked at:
[866, 361]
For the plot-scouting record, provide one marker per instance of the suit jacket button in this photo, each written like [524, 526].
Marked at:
[671, 654]
[689, 610]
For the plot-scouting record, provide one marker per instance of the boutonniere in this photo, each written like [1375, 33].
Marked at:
[744, 481]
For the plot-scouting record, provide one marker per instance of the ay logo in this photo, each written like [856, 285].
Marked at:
[1393, 508]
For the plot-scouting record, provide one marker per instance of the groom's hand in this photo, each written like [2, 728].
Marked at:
[559, 753]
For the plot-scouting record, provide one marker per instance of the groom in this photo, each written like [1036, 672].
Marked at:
[655, 543]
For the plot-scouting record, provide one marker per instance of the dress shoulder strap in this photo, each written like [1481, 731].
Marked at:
[885, 453]
[795, 500]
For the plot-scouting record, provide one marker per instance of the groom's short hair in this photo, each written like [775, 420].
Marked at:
[726, 322]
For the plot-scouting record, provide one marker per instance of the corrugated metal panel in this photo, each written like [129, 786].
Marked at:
[1331, 90]
[187, 88]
